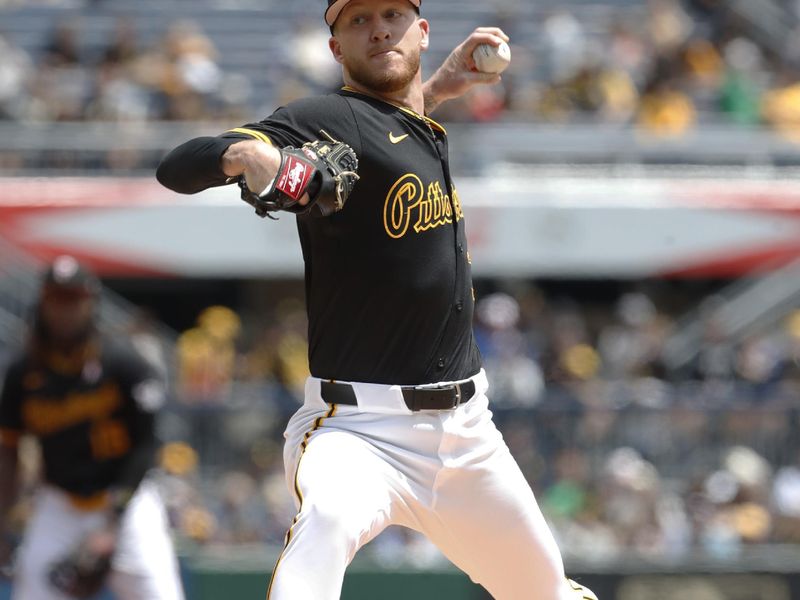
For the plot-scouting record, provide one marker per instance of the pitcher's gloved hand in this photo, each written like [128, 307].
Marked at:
[325, 169]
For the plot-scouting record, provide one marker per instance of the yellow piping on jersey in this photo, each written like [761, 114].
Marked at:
[405, 109]
[303, 445]
[252, 133]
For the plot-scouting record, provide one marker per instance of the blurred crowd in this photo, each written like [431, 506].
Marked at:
[625, 453]
[177, 78]
[665, 68]
[664, 65]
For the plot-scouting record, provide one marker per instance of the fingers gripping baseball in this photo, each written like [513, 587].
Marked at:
[459, 72]
[491, 36]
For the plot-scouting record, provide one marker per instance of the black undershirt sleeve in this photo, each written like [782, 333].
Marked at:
[195, 165]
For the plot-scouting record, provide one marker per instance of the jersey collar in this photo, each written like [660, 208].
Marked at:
[405, 109]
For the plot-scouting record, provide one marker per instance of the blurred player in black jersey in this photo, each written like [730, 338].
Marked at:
[90, 401]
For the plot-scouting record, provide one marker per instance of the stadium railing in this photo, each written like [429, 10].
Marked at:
[100, 147]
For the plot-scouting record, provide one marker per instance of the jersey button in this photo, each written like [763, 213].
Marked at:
[459, 307]
[440, 364]
[460, 248]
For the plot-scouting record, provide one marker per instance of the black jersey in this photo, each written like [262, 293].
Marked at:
[94, 425]
[388, 284]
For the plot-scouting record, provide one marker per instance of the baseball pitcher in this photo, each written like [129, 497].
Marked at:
[396, 427]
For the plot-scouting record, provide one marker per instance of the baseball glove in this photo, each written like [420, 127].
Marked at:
[325, 169]
[82, 573]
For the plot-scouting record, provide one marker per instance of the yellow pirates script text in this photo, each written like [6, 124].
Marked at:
[409, 203]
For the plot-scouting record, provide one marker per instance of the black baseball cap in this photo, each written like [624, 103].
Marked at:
[336, 6]
[66, 276]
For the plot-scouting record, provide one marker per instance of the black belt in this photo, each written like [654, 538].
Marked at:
[417, 398]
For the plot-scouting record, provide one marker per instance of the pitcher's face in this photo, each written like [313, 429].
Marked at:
[379, 43]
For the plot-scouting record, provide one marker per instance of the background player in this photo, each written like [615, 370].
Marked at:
[91, 403]
[395, 428]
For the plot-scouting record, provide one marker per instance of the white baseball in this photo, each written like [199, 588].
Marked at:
[490, 59]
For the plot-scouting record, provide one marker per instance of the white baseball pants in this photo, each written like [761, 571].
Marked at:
[354, 470]
[144, 565]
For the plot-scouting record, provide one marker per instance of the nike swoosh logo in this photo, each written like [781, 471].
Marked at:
[398, 139]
